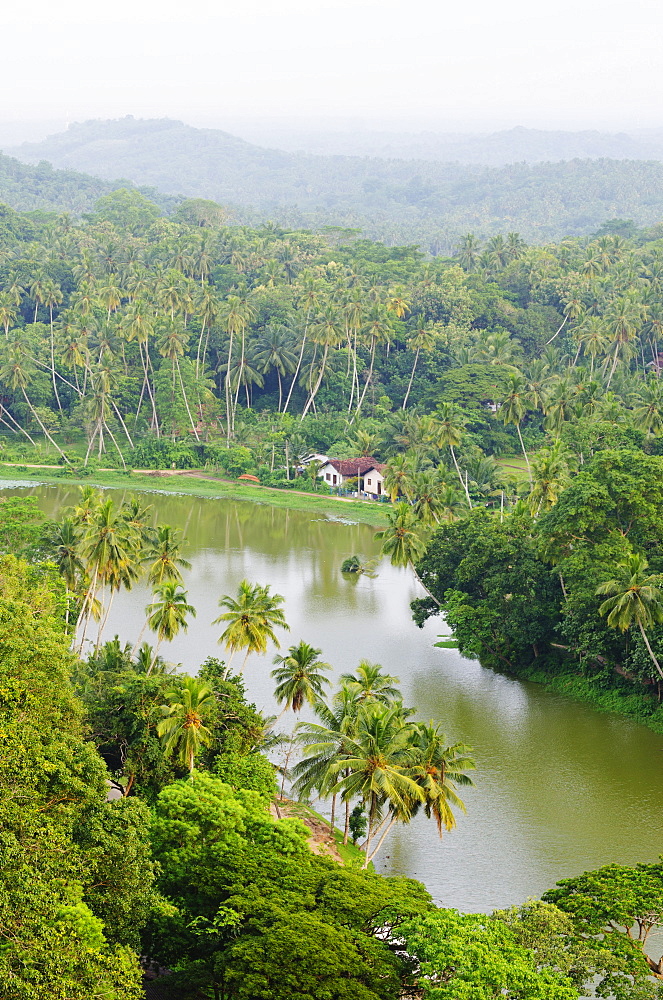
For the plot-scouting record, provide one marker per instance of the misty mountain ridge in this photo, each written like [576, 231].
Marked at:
[514, 145]
[394, 199]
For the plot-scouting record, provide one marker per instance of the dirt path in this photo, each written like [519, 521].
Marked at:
[321, 840]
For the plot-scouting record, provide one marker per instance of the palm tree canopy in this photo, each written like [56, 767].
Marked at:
[164, 556]
[167, 615]
[183, 728]
[251, 618]
[403, 539]
[634, 597]
[300, 676]
[370, 684]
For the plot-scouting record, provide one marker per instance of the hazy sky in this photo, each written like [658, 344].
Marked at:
[572, 63]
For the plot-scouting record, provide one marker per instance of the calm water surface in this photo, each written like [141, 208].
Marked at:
[559, 787]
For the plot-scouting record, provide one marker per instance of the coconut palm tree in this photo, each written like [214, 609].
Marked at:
[110, 550]
[468, 252]
[438, 770]
[423, 339]
[251, 619]
[65, 540]
[634, 597]
[164, 557]
[514, 408]
[326, 333]
[308, 300]
[15, 374]
[550, 475]
[183, 728]
[446, 431]
[648, 413]
[433, 500]
[325, 743]
[370, 684]
[398, 476]
[167, 615]
[404, 539]
[378, 769]
[274, 350]
[299, 676]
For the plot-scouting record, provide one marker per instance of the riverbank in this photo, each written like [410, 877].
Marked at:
[200, 484]
[631, 704]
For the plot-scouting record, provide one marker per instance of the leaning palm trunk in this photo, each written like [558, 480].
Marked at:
[369, 378]
[138, 641]
[55, 387]
[522, 445]
[409, 385]
[299, 361]
[422, 584]
[310, 401]
[332, 818]
[650, 650]
[614, 365]
[186, 402]
[227, 670]
[104, 620]
[36, 416]
[462, 481]
[228, 389]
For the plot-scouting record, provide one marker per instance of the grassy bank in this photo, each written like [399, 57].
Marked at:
[639, 707]
[362, 511]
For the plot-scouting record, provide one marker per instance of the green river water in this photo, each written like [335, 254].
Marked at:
[559, 787]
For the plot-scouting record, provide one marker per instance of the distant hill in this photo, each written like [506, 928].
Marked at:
[516, 145]
[397, 200]
[28, 188]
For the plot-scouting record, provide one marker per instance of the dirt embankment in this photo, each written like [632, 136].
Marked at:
[321, 840]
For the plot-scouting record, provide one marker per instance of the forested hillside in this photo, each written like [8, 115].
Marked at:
[395, 200]
[497, 379]
[29, 188]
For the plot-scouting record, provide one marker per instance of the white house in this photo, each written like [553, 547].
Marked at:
[368, 473]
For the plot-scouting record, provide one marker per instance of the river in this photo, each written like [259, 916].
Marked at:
[559, 787]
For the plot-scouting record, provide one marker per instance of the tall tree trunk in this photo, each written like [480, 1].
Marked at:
[409, 386]
[614, 364]
[332, 818]
[186, 402]
[380, 842]
[314, 391]
[55, 387]
[649, 649]
[229, 390]
[462, 481]
[36, 416]
[299, 361]
[368, 379]
[522, 445]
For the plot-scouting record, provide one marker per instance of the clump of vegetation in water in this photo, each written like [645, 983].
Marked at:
[354, 565]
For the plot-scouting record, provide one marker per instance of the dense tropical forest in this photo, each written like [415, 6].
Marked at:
[396, 200]
[512, 394]
[140, 813]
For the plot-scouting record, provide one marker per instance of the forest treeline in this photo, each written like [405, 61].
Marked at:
[498, 382]
[423, 202]
[135, 807]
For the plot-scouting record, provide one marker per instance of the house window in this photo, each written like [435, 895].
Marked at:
[328, 477]
[368, 481]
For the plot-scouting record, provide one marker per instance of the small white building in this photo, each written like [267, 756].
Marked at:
[366, 471]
